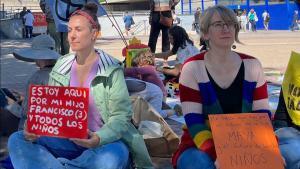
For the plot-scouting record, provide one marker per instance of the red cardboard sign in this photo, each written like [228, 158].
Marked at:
[58, 111]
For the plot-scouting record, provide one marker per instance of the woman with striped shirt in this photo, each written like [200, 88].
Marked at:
[217, 81]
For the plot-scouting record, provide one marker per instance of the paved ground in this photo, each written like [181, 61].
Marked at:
[272, 48]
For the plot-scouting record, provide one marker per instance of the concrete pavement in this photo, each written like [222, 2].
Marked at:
[272, 48]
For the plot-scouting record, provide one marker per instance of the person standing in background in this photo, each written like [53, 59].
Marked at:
[266, 19]
[244, 20]
[197, 15]
[252, 20]
[238, 17]
[29, 19]
[22, 14]
[61, 44]
[128, 21]
[294, 25]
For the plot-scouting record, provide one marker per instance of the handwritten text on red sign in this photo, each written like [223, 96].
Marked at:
[58, 111]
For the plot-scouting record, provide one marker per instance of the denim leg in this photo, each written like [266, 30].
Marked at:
[110, 156]
[193, 158]
[27, 31]
[61, 147]
[30, 31]
[28, 155]
[289, 144]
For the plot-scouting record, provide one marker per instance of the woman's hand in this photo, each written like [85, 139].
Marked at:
[29, 136]
[91, 142]
[10, 101]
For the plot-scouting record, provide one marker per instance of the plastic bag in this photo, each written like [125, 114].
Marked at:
[150, 129]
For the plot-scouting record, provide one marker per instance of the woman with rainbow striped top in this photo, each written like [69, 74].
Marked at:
[217, 81]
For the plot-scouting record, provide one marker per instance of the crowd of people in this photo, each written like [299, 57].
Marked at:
[207, 77]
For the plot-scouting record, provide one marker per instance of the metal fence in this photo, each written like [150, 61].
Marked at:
[9, 12]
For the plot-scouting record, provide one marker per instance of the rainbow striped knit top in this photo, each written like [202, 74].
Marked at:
[198, 99]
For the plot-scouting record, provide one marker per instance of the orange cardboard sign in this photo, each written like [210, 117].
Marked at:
[245, 141]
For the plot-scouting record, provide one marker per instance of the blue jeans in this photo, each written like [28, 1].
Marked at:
[28, 30]
[289, 144]
[58, 153]
[193, 158]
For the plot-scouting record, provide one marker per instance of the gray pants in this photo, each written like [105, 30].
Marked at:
[149, 92]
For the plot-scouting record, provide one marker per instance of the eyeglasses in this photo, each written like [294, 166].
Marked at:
[219, 25]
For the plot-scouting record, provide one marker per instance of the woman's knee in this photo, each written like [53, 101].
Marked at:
[14, 140]
[193, 158]
[112, 156]
[287, 135]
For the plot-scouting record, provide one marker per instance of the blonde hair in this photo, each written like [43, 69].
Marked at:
[143, 56]
[226, 14]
